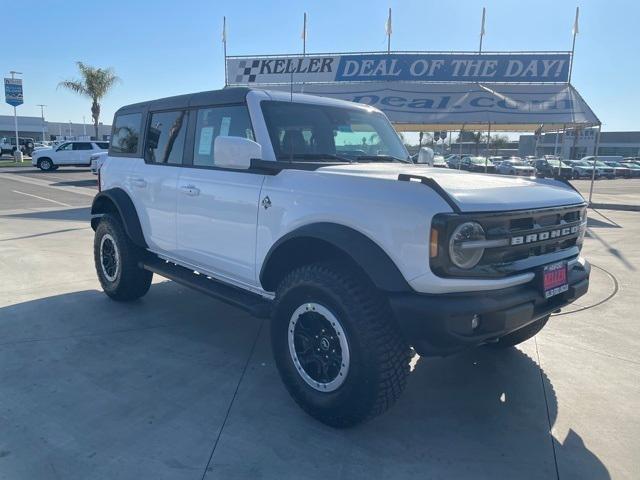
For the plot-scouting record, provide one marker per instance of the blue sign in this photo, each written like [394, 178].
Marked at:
[13, 91]
[451, 67]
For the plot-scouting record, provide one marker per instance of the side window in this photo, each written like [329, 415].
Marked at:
[165, 137]
[232, 121]
[65, 147]
[102, 145]
[82, 146]
[126, 133]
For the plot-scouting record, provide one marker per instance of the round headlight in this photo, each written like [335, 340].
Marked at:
[462, 252]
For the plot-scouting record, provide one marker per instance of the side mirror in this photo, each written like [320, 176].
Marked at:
[235, 152]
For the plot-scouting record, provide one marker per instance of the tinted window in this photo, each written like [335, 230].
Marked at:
[230, 121]
[103, 145]
[126, 133]
[165, 137]
[82, 146]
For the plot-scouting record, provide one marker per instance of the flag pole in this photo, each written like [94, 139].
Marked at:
[224, 43]
[389, 31]
[573, 44]
[482, 29]
[304, 35]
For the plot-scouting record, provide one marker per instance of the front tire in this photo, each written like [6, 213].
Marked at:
[336, 345]
[521, 335]
[45, 164]
[116, 259]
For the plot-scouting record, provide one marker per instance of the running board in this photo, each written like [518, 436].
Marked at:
[248, 301]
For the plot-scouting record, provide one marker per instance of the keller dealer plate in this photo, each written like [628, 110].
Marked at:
[554, 279]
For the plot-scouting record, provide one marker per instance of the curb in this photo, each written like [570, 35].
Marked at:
[615, 206]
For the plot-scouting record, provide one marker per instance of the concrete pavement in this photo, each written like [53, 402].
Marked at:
[180, 386]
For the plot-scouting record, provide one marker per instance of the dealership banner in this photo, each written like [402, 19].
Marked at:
[13, 91]
[462, 103]
[419, 67]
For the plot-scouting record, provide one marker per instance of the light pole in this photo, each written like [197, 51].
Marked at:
[84, 126]
[69, 129]
[42, 115]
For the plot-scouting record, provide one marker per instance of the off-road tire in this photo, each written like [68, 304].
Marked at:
[130, 281]
[379, 355]
[521, 335]
[45, 164]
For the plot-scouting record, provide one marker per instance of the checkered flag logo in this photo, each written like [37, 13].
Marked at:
[249, 72]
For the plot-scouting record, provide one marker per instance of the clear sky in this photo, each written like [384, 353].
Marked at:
[166, 47]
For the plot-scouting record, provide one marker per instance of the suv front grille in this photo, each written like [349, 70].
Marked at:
[531, 238]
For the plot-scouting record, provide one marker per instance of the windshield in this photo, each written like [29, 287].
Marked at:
[556, 163]
[517, 163]
[322, 132]
[614, 164]
[581, 164]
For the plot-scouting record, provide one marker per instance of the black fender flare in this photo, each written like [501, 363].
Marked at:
[372, 259]
[102, 203]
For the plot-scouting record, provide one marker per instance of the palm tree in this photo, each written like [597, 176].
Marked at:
[94, 84]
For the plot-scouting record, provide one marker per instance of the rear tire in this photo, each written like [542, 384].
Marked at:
[116, 259]
[337, 347]
[521, 335]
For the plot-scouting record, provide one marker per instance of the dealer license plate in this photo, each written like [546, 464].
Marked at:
[554, 279]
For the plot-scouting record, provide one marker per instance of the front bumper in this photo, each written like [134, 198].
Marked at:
[441, 324]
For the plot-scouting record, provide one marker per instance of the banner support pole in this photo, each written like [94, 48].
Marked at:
[595, 160]
[224, 43]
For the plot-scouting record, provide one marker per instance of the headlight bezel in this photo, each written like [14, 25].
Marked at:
[465, 232]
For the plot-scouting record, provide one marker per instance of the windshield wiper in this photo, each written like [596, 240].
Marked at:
[314, 156]
[381, 158]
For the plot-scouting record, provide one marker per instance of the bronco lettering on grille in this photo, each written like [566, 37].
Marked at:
[539, 237]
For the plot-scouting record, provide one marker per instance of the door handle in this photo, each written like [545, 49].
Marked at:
[139, 182]
[190, 190]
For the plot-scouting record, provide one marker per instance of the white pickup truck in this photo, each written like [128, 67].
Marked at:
[308, 210]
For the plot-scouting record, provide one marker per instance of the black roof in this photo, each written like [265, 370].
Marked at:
[211, 97]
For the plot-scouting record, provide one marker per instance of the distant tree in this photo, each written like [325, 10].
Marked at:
[95, 83]
[498, 141]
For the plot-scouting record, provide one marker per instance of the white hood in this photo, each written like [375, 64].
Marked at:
[474, 192]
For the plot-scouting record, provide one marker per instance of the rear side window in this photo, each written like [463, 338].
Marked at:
[103, 145]
[82, 146]
[231, 121]
[165, 137]
[126, 133]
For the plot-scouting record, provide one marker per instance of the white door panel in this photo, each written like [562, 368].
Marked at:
[216, 221]
[154, 196]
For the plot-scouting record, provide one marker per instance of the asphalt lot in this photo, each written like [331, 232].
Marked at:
[180, 386]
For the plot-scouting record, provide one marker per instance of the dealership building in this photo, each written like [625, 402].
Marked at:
[575, 145]
[33, 127]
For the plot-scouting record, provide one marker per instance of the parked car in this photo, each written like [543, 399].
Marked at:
[354, 259]
[515, 167]
[8, 145]
[77, 154]
[604, 170]
[477, 164]
[619, 170]
[453, 161]
[580, 169]
[552, 168]
[633, 167]
[439, 162]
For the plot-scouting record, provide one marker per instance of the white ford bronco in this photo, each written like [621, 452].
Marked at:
[308, 210]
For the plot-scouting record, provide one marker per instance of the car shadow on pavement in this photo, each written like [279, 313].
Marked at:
[92, 182]
[85, 380]
[78, 214]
